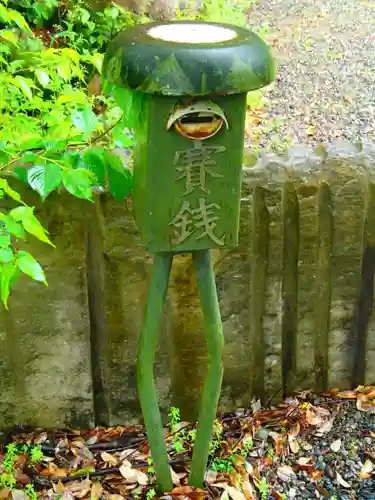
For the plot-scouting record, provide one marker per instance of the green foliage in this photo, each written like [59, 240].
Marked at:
[263, 489]
[150, 494]
[54, 135]
[8, 476]
[233, 12]
[224, 465]
[175, 418]
[246, 447]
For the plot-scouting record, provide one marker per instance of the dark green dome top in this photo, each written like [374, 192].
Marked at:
[188, 58]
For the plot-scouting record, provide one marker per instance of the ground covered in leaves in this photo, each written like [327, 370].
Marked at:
[306, 447]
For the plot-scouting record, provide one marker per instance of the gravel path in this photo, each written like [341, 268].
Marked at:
[326, 55]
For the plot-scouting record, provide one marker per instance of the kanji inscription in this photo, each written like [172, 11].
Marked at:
[190, 219]
[197, 168]
[196, 165]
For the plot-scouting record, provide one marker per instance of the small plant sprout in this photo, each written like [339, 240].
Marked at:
[175, 418]
[150, 494]
[36, 455]
[247, 446]
[224, 465]
[263, 489]
[30, 492]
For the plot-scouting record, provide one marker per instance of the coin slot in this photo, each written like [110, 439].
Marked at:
[197, 121]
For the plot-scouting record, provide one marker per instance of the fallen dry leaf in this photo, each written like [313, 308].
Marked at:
[325, 427]
[19, 495]
[175, 478]
[312, 417]
[303, 460]
[294, 430]
[128, 473]
[366, 470]
[347, 395]
[234, 493]
[336, 445]
[341, 481]
[249, 490]
[286, 473]
[210, 477]
[294, 446]
[363, 403]
[96, 491]
[316, 475]
[40, 438]
[109, 459]
[256, 406]
[4, 492]
[279, 442]
[189, 492]
[53, 470]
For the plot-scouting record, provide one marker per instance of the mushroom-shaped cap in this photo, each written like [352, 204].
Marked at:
[192, 58]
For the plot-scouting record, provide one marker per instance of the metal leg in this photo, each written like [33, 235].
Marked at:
[212, 384]
[145, 364]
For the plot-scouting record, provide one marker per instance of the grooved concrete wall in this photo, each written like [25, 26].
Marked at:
[296, 299]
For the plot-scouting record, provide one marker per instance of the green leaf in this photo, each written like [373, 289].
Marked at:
[9, 191]
[42, 77]
[96, 60]
[122, 137]
[24, 85]
[71, 159]
[93, 160]
[120, 179]
[85, 120]
[28, 265]
[18, 19]
[13, 227]
[64, 69]
[4, 240]
[10, 37]
[44, 178]
[4, 14]
[6, 255]
[21, 173]
[79, 183]
[33, 143]
[30, 223]
[7, 274]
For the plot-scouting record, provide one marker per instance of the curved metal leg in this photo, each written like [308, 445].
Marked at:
[212, 384]
[145, 364]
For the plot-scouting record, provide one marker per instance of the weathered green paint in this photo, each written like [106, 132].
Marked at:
[139, 62]
[145, 368]
[169, 206]
[212, 383]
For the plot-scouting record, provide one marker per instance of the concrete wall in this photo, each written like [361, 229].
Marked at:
[296, 299]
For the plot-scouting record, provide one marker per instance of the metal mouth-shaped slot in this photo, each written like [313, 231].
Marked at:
[198, 121]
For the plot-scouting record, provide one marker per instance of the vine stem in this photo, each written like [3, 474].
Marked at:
[212, 384]
[145, 365]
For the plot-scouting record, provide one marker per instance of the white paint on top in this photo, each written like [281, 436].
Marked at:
[192, 33]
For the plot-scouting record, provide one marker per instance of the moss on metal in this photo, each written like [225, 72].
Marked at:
[137, 61]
